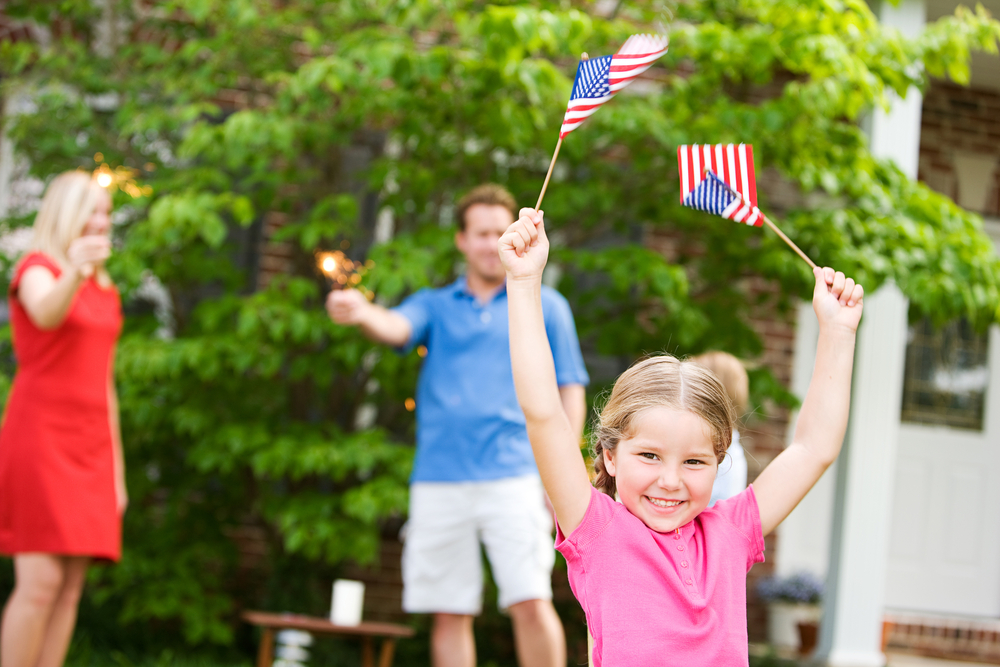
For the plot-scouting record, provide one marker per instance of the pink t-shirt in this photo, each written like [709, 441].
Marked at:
[658, 599]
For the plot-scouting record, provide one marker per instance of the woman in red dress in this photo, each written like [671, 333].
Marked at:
[62, 488]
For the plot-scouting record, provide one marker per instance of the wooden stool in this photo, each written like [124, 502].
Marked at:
[320, 626]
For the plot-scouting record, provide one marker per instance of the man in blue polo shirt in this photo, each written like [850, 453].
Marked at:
[474, 477]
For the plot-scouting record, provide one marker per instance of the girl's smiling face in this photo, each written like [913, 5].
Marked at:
[664, 472]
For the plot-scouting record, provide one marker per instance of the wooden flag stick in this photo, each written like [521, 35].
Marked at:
[788, 241]
[555, 154]
[552, 164]
[770, 224]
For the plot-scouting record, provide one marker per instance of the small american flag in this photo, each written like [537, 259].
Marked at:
[599, 79]
[720, 179]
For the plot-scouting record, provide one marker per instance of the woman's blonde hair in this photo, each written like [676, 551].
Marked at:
[69, 201]
[661, 381]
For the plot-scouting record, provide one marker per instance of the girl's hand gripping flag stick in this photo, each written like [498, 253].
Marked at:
[600, 79]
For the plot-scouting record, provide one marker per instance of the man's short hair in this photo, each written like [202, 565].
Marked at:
[490, 194]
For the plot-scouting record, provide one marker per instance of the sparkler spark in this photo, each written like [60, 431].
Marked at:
[341, 272]
[335, 265]
[120, 177]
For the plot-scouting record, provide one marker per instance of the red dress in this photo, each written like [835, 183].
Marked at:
[57, 490]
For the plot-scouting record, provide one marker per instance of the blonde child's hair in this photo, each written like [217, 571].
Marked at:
[731, 373]
[661, 381]
[69, 201]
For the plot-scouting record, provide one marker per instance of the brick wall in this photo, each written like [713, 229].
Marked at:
[765, 432]
[943, 637]
[276, 258]
[958, 120]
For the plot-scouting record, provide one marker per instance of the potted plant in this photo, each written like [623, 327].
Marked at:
[793, 609]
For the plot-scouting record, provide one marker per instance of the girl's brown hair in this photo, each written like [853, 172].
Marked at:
[661, 381]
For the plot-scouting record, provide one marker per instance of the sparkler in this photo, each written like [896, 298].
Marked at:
[341, 272]
[120, 177]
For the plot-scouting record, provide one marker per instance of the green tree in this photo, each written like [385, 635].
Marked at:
[321, 114]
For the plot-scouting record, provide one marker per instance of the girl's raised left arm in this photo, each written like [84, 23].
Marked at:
[822, 422]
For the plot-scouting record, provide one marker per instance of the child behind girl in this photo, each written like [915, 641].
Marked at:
[732, 476]
[661, 576]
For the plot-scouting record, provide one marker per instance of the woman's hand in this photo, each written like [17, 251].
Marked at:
[524, 248]
[121, 496]
[837, 300]
[88, 252]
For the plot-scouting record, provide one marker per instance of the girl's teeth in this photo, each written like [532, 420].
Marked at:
[664, 503]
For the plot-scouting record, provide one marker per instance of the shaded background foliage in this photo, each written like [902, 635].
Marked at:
[240, 406]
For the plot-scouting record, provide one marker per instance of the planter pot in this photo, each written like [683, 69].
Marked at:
[784, 619]
[808, 637]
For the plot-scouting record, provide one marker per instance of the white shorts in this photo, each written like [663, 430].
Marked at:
[442, 561]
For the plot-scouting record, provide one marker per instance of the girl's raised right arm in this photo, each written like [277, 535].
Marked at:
[524, 249]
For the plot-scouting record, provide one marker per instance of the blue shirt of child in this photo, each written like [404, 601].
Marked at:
[469, 424]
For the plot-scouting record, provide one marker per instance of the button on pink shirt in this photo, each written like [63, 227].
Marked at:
[658, 599]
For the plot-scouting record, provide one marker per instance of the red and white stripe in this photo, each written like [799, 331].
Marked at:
[579, 111]
[733, 164]
[637, 55]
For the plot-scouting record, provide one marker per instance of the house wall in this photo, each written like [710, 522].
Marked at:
[959, 125]
[956, 123]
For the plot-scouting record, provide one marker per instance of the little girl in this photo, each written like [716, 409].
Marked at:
[661, 576]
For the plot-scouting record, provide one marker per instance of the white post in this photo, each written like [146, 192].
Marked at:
[855, 599]
[896, 135]
[804, 536]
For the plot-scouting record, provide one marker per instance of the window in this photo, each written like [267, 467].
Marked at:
[946, 375]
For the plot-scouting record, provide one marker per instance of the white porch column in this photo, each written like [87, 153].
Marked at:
[804, 537]
[855, 599]
[896, 135]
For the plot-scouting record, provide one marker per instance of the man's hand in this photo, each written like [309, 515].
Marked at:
[347, 306]
[86, 253]
[837, 300]
[524, 248]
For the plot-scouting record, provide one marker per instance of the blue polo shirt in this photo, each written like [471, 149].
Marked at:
[469, 424]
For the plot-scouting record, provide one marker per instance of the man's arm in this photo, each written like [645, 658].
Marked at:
[350, 307]
[575, 405]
